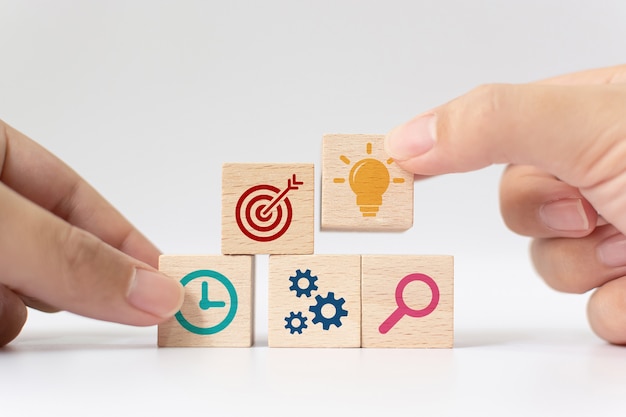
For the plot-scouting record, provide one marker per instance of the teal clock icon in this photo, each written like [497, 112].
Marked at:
[206, 303]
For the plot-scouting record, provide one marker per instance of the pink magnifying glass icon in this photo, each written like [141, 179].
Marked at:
[404, 309]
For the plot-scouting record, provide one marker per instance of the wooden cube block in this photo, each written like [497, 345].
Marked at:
[407, 301]
[267, 208]
[314, 301]
[218, 306]
[362, 187]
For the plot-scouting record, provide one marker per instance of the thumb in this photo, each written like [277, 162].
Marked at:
[577, 133]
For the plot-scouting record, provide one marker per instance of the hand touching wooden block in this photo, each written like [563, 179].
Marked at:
[217, 311]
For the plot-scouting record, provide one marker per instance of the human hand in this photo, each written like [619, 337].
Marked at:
[564, 140]
[63, 247]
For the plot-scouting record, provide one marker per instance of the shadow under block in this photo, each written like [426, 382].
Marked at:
[314, 301]
[267, 208]
[407, 301]
[218, 306]
[362, 187]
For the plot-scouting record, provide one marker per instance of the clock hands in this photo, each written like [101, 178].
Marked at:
[205, 303]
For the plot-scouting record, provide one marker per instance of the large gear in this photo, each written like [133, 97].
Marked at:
[296, 280]
[321, 302]
[301, 320]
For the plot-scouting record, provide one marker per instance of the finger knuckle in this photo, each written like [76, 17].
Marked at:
[474, 114]
[491, 98]
[565, 279]
[607, 308]
[78, 251]
[78, 248]
[568, 286]
[511, 209]
[553, 263]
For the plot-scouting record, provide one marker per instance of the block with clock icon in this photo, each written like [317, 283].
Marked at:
[218, 306]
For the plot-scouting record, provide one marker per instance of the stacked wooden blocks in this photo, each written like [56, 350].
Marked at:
[315, 300]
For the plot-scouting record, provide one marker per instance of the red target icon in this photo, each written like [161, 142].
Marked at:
[264, 212]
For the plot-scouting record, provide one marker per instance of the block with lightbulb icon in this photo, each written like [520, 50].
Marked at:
[362, 187]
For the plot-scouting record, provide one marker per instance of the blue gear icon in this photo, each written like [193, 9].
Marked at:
[296, 279]
[321, 302]
[295, 316]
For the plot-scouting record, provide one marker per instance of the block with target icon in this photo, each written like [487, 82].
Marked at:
[314, 301]
[267, 208]
[362, 187]
[407, 301]
[218, 308]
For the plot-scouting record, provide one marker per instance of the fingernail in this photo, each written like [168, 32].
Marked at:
[155, 293]
[612, 252]
[413, 138]
[565, 215]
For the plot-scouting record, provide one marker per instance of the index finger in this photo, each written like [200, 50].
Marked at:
[41, 177]
[561, 129]
[575, 133]
[488, 102]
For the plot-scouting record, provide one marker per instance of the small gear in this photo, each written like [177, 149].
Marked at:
[321, 302]
[301, 322]
[296, 280]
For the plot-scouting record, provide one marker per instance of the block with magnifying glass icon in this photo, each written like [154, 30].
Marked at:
[407, 301]
[362, 187]
[218, 307]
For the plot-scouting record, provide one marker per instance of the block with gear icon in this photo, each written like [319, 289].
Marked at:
[314, 301]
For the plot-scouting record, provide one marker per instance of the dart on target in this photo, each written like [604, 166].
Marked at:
[264, 212]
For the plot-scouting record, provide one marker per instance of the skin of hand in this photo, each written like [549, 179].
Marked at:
[64, 247]
[563, 141]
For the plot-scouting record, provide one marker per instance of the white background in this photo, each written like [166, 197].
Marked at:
[147, 99]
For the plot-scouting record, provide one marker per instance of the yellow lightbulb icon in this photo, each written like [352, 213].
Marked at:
[369, 179]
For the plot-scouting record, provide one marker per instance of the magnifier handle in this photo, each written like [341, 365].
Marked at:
[390, 321]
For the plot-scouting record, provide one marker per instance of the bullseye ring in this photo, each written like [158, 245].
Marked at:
[250, 216]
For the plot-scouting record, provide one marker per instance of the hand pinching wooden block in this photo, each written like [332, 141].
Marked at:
[217, 311]
[362, 187]
[407, 301]
[314, 301]
[267, 208]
